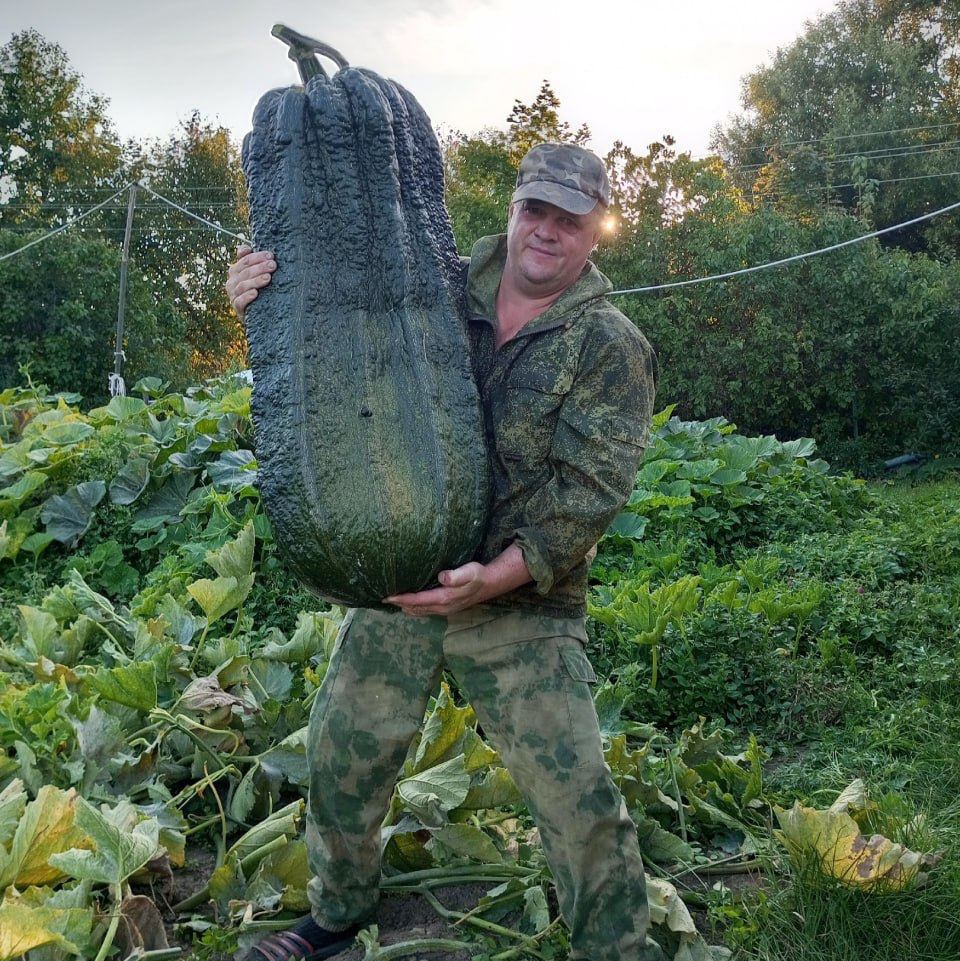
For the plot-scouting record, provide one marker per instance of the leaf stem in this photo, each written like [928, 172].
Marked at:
[114, 924]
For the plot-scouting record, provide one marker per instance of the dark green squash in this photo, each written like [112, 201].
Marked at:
[369, 431]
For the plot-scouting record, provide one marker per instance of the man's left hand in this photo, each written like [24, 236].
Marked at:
[459, 589]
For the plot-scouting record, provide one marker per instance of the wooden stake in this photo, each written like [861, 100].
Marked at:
[116, 378]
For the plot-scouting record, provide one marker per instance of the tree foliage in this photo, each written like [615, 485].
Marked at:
[55, 136]
[861, 110]
[58, 310]
[185, 263]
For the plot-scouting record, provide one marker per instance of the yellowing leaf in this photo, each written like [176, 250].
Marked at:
[833, 841]
[666, 907]
[45, 829]
[121, 851]
[443, 729]
[23, 928]
[13, 799]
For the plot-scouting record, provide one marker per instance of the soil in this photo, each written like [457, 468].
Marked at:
[408, 917]
[401, 917]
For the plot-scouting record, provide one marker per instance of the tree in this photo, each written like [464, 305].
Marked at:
[539, 122]
[58, 309]
[862, 110]
[55, 137]
[185, 262]
[481, 170]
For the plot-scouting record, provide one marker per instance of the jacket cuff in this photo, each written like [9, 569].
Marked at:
[536, 556]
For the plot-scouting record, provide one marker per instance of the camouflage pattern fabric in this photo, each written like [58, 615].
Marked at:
[567, 407]
[563, 174]
[528, 680]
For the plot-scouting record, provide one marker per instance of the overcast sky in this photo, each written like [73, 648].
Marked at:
[631, 70]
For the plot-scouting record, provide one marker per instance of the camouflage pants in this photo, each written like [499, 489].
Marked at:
[527, 678]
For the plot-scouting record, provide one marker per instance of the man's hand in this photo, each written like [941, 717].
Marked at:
[245, 278]
[460, 588]
[466, 586]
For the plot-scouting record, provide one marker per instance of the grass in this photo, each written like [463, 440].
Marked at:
[904, 741]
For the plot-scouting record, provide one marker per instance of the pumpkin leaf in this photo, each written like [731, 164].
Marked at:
[13, 800]
[14, 495]
[64, 435]
[233, 469]
[443, 730]
[468, 841]
[131, 482]
[37, 543]
[120, 851]
[166, 504]
[39, 632]
[315, 634]
[218, 597]
[134, 685]
[122, 408]
[46, 828]
[68, 516]
[235, 558]
[24, 927]
[832, 840]
[431, 793]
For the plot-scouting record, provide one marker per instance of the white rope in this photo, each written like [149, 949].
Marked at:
[64, 226]
[117, 387]
[190, 213]
[787, 260]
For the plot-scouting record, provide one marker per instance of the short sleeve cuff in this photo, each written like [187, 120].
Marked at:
[533, 546]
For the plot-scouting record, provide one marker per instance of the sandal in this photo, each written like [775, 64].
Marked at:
[291, 944]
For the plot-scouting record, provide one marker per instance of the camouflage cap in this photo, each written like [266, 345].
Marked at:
[565, 175]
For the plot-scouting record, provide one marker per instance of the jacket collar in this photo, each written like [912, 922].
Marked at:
[487, 260]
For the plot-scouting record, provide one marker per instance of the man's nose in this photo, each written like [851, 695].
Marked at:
[546, 228]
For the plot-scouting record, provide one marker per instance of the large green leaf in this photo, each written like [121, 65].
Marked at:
[235, 558]
[67, 516]
[233, 469]
[39, 632]
[315, 634]
[431, 793]
[123, 408]
[12, 496]
[628, 524]
[134, 685]
[495, 789]
[63, 435]
[120, 851]
[467, 841]
[165, 506]
[131, 482]
[218, 597]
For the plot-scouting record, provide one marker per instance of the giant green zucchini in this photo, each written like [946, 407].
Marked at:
[368, 427]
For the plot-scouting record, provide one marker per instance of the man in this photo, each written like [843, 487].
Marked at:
[567, 385]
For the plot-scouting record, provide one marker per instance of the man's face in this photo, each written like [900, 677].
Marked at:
[547, 246]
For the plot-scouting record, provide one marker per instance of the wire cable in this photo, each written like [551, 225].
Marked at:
[197, 217]
[852, 136]
[786, 260]
[63, 226]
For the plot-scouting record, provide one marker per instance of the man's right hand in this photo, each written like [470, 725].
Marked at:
[245, 278]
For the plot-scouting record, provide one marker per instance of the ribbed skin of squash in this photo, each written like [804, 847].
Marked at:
[368, 427]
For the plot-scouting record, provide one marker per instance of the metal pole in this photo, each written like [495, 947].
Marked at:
[117, 385]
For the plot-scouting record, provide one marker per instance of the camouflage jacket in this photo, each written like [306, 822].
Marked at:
[567, 404]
